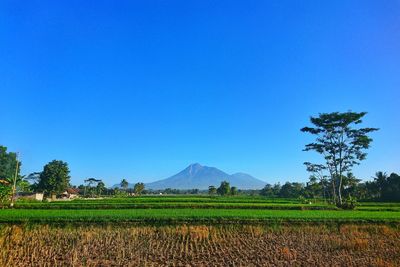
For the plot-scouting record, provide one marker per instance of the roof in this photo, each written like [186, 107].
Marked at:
[72, 191]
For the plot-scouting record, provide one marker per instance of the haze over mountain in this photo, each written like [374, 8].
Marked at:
[201, 177]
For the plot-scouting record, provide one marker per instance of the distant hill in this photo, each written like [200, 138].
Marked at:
[201, 177]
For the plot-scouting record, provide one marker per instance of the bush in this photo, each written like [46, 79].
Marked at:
[348, 204]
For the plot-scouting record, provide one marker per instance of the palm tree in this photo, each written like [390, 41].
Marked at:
[380, 180]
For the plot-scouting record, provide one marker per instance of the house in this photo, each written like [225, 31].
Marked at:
[70, 193]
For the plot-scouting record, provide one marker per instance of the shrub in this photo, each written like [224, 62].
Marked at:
[349, 204]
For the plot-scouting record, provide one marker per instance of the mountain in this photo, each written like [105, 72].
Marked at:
[201, 177]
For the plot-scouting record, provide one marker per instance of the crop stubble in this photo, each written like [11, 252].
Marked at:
[200, 245]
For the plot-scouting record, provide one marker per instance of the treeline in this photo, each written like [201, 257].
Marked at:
[54, 179]
[383, 188]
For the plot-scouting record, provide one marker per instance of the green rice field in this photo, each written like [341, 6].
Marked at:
[26, 215]
[195, 208]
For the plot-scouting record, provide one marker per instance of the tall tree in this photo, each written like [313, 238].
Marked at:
[224, 188]
[100, 188]
[124, 184]
[54, 179]
[138, 188]
[91, 186]
[340, 143]
[380, 182]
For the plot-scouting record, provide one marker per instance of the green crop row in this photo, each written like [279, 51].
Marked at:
[191, 199]
[241, 199]
[137, 215]
[177, 205]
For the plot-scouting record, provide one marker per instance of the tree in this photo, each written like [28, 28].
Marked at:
[33, 180]
[317, 173]
[194, 191]
[8, 169]
[234, 191]
[391, 189]
[138, 188]
[92, 186]
[54, 179]
[100, 188]
[8, 164]
[271, 190]
[380, 181]
[361, 191]
[350, 184]
[224, 188]
[124, 184]
[384, 187]
[24, 186]
[212, 190]
[291, 190]
[340, 143]
[313, 189]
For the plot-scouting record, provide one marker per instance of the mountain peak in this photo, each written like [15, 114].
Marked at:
[195, 165]
[201, 177]
[193, 169]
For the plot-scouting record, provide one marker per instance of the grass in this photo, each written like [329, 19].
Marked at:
[201, 215]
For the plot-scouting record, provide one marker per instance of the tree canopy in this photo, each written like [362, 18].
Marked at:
[8, 166]
[124, 184]
[93, 187]
[341, 144]
[54, 179]
[212, 190]
[385, 187]
[224, 188]
[138, 188]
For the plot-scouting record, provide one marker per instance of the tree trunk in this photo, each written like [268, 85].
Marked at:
[340, 191]
[334, 191]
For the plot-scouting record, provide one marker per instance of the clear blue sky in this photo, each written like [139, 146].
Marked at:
[141, 89]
